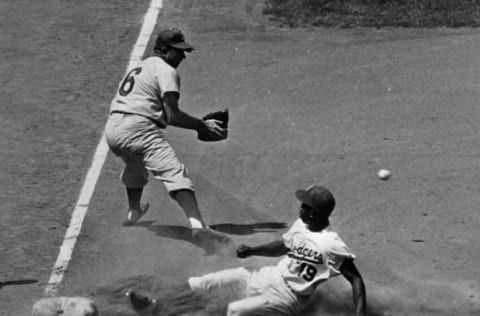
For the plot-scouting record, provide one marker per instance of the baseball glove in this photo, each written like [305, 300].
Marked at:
[221, 116]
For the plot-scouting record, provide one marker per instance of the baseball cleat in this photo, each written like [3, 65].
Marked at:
[134, 215]
[140, 302]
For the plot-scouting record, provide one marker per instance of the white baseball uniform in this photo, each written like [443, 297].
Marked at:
[312, 258]
[134, 130]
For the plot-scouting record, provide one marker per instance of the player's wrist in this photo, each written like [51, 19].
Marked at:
[202, 126]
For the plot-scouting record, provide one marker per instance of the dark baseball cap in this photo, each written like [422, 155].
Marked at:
[172, 37]
[318, 198]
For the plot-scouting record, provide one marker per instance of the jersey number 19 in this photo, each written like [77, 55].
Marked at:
[307, 271]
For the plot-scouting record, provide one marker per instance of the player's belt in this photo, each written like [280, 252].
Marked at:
[127, 113]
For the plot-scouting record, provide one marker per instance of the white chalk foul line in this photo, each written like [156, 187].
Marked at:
[86, 192]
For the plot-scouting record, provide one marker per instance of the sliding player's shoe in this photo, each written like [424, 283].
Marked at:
[140, 302]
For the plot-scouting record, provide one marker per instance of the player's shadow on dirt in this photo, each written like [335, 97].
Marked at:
[248, 229]
[17, 282]
[211, 246]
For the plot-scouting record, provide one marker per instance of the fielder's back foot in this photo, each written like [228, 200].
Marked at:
[133, 215]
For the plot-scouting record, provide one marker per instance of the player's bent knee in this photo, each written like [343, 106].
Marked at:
[134, 182]
[195, 284]
[239, 308]
[234, 309]
[173, 194]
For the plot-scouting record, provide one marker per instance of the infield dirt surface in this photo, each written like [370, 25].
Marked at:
[308, 106]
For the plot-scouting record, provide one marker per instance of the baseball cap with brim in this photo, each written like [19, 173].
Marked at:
[173, 37]
[318, 198]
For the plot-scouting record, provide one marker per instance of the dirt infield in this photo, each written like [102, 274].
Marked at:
[307, 106]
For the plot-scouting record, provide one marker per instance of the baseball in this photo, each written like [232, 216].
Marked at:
[384, 174]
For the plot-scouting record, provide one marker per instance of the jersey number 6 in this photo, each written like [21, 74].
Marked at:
[127, 84]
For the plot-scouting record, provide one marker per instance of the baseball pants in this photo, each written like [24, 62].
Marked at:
[143, 147]
[262, 292]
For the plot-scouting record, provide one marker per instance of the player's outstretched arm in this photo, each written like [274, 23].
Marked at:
[178, 118]
[272, 249]
[351, 273]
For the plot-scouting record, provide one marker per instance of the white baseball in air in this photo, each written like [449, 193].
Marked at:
[384, 174]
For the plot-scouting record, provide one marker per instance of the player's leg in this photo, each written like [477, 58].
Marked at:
[273, 295]
[250, 306]
[236, 280]
[178, 300]
[134, 177]
[188, 202]
[201, 233]
[263, 304]
[199, 291]
[119, 132]
[134, 196]
[161, 159]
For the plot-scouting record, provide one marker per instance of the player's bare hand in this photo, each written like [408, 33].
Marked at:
[244, 251]
[214, 127]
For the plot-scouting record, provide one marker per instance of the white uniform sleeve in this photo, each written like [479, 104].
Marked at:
[337, 253]
[168, 80]
[295, 228]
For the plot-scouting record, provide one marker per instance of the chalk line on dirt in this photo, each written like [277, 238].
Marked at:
[86, 192]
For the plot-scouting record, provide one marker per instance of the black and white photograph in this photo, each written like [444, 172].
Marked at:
[240, 157]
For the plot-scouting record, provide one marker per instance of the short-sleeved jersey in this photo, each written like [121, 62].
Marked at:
[312, 258]
[143, 87]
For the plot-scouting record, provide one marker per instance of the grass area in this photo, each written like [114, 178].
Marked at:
[375, 13]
